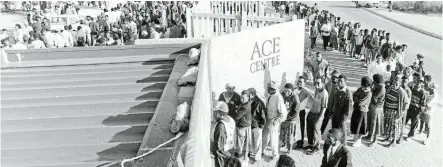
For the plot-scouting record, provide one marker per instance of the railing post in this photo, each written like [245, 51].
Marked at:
[244, 22]
[189, 22]
[4, 58]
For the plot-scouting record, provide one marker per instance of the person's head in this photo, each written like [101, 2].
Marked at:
[399, 67]
[361, 32]
[415, 77]
[420, 82]
[378, 79]
[18, 26]
[285, 161]
[272, 88]
[333, 137]
[398, 48]
[379, 58]
[252, 93]
[334, 76]
[287, 90]
[221, 109]
[66, 27]
[404, 47]
[388, 68]
[342, 81]
[319, 56]
[388, 35]
[301, 82]
[366, 32]
[105, 10]
[420, 56]
[379, 33]
[233, 162]
[245, 96]
[318, 83]
[79, 28]
[404, 81]
[366, 83]
[230, 88]
[421, 64]
[407, 72]
[428, 79]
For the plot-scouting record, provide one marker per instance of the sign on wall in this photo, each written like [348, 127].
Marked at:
[252, 58]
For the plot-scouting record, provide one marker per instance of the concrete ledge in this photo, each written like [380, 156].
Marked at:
[405, 25]
[170, 41]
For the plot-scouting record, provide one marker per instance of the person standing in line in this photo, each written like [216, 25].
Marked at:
[67, 37]
[362, 98]
[331, 86]
[374, 44]
[95, 29]
[419, 100]
[335, 154]
[425, 117]
[276, 113]
[341, 107]
[377, 67]
[303, 94]
[320, 67]
[376, 108]
[243, 123]
[396, 102]
[288, 127]
[315, 116]
[258, 114]
[313, 35]
[404, 85]
[223, 136]
[326, 33]
[231, 98]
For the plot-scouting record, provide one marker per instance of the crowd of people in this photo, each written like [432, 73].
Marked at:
[122, 25]
[391, 94]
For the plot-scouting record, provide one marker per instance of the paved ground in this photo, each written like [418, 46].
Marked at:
[431, 23]
[412, 153]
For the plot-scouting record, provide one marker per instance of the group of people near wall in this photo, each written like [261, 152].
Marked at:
[120, 26]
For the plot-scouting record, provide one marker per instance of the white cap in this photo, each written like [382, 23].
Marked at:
[229, 85]
[221, 106]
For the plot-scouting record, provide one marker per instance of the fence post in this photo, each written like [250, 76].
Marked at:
[189, 21]
[244, 22]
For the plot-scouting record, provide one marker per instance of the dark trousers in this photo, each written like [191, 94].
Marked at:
[325, 120]
[425, 120]
[313, 125]
[412, 115]
[375, 121]
[326, 41]
[313, 41]
[339, 123]
[302, 115]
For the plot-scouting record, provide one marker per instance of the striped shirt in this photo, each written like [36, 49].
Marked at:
[392, 99]
[418, 97]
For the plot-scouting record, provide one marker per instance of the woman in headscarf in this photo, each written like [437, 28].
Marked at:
[231, 98]
[362, 98]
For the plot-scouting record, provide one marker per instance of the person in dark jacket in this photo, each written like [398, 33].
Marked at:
[375, 121]
[331, 87]
[362, 98]
[288, 127]
[258, 113]
[341, 107]
[419, 101]
[223, 134]
[334, 153]
[243, 121]
[231, 98]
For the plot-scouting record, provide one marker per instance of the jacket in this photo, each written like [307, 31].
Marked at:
[243, 115]
[378, 95]
[258, 113]
[233, 103]
[342, 104]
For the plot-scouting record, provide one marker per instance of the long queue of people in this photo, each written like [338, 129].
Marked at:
[120, 26]
[390, 95]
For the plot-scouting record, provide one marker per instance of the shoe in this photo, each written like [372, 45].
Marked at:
[406, 139]
[426, 142]
[357, 144]
[369, 138]
[313, 151]
[371, 144]
[392, 144]
[237, 155]
[384, 140]
[398, 141]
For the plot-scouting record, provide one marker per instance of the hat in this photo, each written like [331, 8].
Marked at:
[230, 85]
[272, 85]
[221, 106]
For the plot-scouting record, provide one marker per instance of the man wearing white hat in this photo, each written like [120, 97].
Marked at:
[231, 98]
[223, 134]
[275, 115]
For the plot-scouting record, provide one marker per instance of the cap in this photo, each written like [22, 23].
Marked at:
[221, 106]
[229, 85]
[272, 85]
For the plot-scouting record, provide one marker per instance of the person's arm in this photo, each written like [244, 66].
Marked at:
[348, 104]
[324, 105]
[363, 102]
[423, 101]
[241, 112]
[220, 139]
[282, 111]
[378, 93]
[262, 119]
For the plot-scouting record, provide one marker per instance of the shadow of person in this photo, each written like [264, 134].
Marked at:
[266, 80]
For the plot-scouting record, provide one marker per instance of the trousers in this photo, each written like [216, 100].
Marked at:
[243, 140]
[375, 121]
[256, 143]
[326, 41]
[302, 115]
[270, 136]
[413, 115]
[313, 129]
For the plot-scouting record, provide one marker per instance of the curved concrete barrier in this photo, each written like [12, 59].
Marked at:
[405, 25]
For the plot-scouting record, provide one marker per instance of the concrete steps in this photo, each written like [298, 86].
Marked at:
[84, 115]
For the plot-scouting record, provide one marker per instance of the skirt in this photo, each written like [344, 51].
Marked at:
[288, 131]
[359, 122]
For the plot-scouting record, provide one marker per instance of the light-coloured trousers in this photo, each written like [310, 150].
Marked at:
[271, 137]
[256, 143]
[243, 140]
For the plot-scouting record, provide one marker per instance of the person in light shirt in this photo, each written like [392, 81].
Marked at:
[49, 39]
[326, 33]
[20, 44]
[377, 67]
[38, 42]
[67, 37]
[398, 56]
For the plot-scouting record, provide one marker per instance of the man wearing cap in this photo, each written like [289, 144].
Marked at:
[419, 100]
[375, 120]
[231, 98]
[334, 152]
[315, 116]
[396, 102]
[331, 86]
[275, 115]
[243, 120]
[258, 114]
[223, 136]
